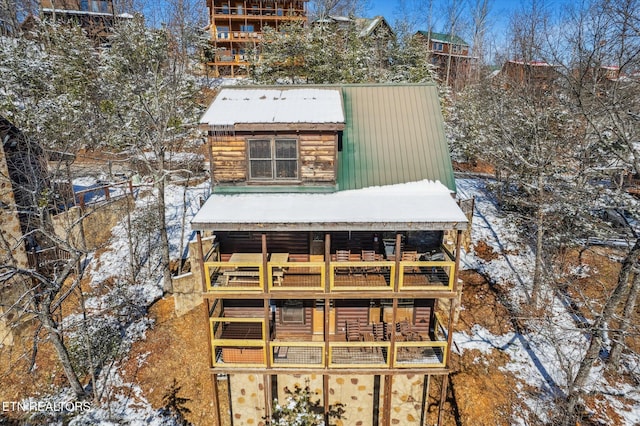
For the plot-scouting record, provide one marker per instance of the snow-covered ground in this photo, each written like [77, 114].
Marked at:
[120, 303]
[536, 358]
[549, 351]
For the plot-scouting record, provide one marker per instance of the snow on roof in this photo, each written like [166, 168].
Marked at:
[84, 12]
[421, 205]
[531, 63]
[237, 105]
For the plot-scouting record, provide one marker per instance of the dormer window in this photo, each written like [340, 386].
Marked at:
[273, 159]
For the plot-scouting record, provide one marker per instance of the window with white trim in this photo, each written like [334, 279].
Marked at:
[273, 159]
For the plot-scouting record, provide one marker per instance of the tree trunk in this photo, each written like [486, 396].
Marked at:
[63, 355]
[164, 239]
[537, 268]
[597, 331]
[627, 318]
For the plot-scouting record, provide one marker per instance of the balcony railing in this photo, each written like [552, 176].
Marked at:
[238, 341]
[242, 343]
[426, 275]
[253, 353]
[304, 276]
[359, 354]
[420, 354]
[234, 276]
[373, 275]
[257, 12]
[238, 36]
[297, 354]
[231, 59]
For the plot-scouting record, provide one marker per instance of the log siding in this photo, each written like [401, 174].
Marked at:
[317, 153]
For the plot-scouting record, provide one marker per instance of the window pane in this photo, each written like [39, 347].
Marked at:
[286, 169]
[286, 148]
[259, 149]
[293, 312]
[261, 169]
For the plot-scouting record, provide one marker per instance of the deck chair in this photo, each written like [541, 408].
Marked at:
[379, 330]
[411, 256]
[353, 332]
[343, 256]
[369, 256]
[405, 329]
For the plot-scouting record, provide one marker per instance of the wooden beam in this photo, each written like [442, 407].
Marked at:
[268, 397]
[340, 295]
[386, 410]
[325, 397]
[443, 397]
[203, 278]
[436, 371]
[216, 399]
[457, 288]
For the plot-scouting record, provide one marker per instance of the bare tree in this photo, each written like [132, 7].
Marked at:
[480, 10]
[148, 95]
[319, 9]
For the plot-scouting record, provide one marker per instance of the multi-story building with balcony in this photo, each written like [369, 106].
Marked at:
[329, 250]
[96, 17]
[451, 57]
[236, 29]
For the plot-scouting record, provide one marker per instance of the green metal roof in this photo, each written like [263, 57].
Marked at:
[447, 38]
[393, 134]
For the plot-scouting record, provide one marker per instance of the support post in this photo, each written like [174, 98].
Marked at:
[443, 398]
[457, 288]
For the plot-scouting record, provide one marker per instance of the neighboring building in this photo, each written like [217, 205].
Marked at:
[236, 27]
[336, 241]
[376, 33]
[450, 55]
[368, 27]
[539, 74]
[96, 17]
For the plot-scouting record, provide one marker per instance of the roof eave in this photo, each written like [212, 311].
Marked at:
[329, 226]
[274, 127]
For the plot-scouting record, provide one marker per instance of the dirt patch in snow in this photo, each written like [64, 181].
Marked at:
[485, 251]
[176, 347]
[480, 392]
[475, 166]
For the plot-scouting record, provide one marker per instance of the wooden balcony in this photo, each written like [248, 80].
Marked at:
[238, 36]
[297, 273]
[241, 343]
[253, 13]
[230, 60]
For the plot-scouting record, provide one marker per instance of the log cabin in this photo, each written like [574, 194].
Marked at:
[336, 244]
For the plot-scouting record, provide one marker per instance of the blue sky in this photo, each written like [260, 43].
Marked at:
[500, 9]
[500, 13]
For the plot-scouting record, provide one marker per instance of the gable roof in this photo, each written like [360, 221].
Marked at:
[369, 25]
[443, 38]
[393, 134]
[366, 26]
